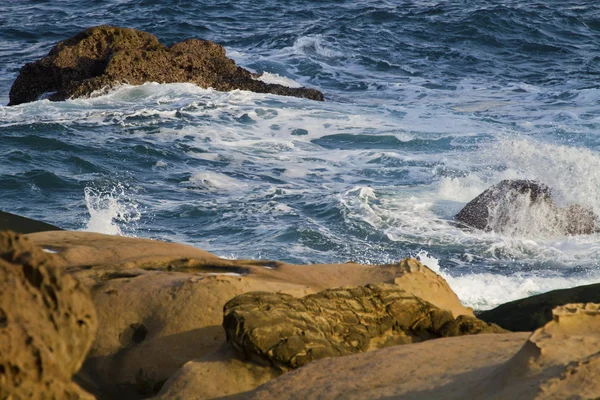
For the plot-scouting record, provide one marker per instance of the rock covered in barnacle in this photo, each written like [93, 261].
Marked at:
[288, 332]
[524, 206]
[47, 324]
[105, 56]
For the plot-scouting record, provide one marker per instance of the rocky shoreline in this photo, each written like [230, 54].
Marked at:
[103, 57]
[176, 322]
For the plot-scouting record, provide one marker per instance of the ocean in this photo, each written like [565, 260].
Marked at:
[428, 103]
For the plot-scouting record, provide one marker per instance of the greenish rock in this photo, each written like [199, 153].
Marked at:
[105, 56]
[531, 313]
[287, 332]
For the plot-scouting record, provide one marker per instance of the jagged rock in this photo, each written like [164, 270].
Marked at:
[106, 56]
[533, 312]
[525, 206]
[47, 324]
[288, 332]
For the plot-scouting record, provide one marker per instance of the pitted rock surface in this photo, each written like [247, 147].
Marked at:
[288, 332]
[104, 56]
[47, 324]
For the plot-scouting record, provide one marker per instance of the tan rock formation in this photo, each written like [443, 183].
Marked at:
[286, 332]
[160, 304]
[47, 324]
[105, 56]
[558, 361]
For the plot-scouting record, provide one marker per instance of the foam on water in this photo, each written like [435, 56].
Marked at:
[405, 139]
[483, 291]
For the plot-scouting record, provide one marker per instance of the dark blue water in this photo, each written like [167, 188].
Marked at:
[428, 104]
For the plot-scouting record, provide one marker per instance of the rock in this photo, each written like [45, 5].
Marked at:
[18, 224]
[434, 369]
[525, 207]
[214, 376]
[286, 332]
[160, 306]
[533, 312]
[105, 56]
[47, 324]
[559, 361]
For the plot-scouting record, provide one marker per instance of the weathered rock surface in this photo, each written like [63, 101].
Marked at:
[160, 305]
[106, 56]
[521, 206]
[559, 361]
[533, 312]
[47, 324]
[286, 332]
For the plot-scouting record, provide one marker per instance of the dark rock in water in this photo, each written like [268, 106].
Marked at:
[529, 204]
[534, 312]
[106, 56]
[288, 332]
[47, 324]
[16, 223]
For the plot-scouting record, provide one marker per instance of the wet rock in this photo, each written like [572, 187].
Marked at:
[525, 207]
[288, 332]
[47, 324]
[105, 56]
[19, 224]
[534, 312]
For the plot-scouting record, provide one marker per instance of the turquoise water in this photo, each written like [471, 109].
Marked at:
[427, 105]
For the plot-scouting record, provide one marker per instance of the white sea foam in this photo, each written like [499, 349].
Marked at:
[216, 181]
[268, 77]
[315, 44]
[484, 291]
[110, 210]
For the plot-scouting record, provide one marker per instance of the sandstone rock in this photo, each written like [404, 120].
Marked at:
[47, 324]
[533, 312]
[106, 56]
[525, 206]
[160, 305]
[444, 368]
[286, 332]
[559, 361]
[216, 375]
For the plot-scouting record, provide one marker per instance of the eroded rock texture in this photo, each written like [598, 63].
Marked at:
[105, 56]
[288, 332]
[47, 324]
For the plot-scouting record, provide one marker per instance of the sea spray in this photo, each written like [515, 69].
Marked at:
[112, 211]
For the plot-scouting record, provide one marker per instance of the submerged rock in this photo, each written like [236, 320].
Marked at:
[106, 56]
[525, 207]
[287, 332]
[47, 324]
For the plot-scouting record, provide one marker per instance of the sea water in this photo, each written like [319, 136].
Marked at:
[427, 104]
